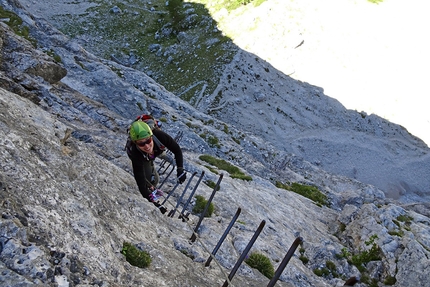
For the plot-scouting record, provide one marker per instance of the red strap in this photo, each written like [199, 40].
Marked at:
[144, 117]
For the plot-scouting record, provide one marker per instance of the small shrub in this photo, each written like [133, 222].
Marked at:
[330, 265]
[398, 233]
[201, 204]
[241, 176]
[405, 218]
[307, 191]
[134, 256]
[261, 263]
[374, 283]
[329, 269]
[396, 223]
[55, 56]
[213, 141]
[304, 259]
[234, 171]
[236, 140]
[225, 129]
[390, 280]
[365, 279]
[321, 272]
[344, 254]
[365, 256]
[332, 268]
[302, 256]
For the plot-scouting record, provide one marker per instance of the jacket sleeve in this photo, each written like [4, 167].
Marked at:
[171, 145]
[139, 173]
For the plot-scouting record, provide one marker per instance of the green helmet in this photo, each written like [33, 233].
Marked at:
[139, 130]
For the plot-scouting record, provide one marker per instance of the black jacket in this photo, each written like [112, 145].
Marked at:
[139, 159]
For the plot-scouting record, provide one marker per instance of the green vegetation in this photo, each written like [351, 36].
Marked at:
[371, 282]
[365, 256]
[398, 233]
[405, 218]
[344, 254]
[134, 256]
[304, 259]
[390, 280]
[213, 141]
[329, 269]
[375, 1]
[236, 140]
[359, 259]
[211, 184]
[212, 170]
[402, 221]
[160, 38]
[54, 55]
[234, 171]
[175, 12]
[322, 272]
[332, 268]
[261, 263]
[302, 256]
[230, 5]
[225, 129]
[200, 205]
[308, 191]
[15, 23]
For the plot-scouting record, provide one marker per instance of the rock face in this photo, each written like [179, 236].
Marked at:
[69, 201]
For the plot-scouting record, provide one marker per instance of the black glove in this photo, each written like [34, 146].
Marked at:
[181, 174]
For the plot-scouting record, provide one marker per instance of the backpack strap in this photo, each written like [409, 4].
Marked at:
[160, 145]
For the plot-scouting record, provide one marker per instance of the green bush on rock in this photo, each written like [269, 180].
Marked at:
[134, 256]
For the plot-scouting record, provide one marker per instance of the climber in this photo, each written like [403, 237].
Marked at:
[143, 146]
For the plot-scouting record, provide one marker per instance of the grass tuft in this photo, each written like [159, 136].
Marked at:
[134, 256]
[200, 205]
[234, 171]
[261, 263]
[307, 191]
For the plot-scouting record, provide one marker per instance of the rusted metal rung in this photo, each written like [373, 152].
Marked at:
[245, 252]
[208, 262]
